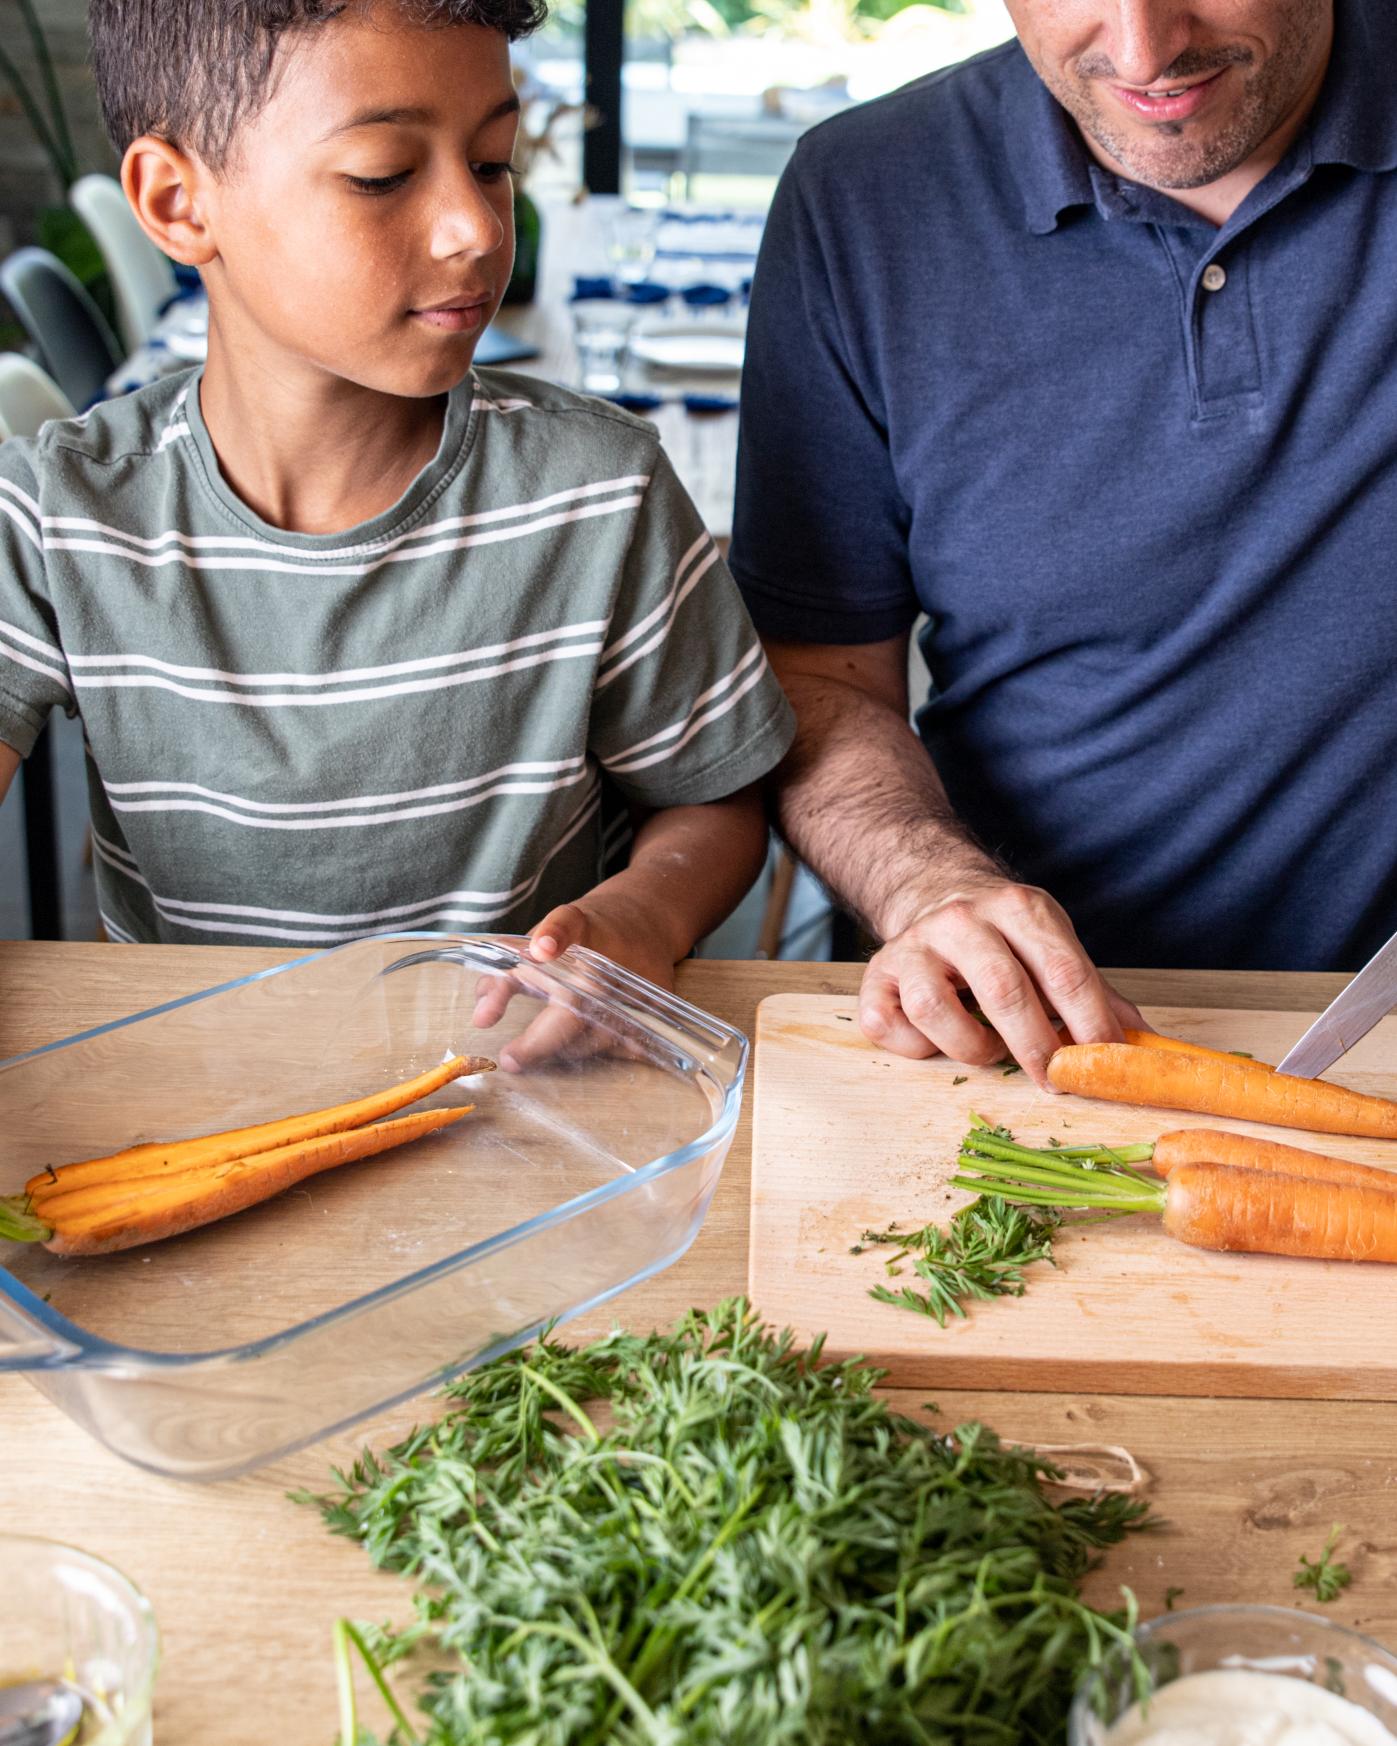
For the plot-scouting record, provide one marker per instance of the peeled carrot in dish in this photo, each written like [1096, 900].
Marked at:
[198, 1197]
[1154, 1040]
[148, 1192]
[1209, 1205]
[1221, 1085]
[155, 1159]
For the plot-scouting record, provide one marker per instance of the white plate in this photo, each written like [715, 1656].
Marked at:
[709, 347]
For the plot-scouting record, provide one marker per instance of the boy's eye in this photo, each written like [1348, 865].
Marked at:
[493, 172]
[377, 184]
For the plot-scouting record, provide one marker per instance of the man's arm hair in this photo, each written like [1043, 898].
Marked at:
[860, 801]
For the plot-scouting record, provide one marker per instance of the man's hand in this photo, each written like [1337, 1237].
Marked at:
[861, 804]
[1015, 950]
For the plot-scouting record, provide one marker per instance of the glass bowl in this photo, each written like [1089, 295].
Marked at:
[1261, 1639]
[67, 1616]
[578, 1175]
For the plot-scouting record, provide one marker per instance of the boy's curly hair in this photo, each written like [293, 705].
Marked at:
[192, 71]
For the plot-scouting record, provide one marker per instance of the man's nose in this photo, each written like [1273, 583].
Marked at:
[1145, 38]
[464, 221]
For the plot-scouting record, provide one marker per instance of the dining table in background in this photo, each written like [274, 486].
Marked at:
[247, 1585]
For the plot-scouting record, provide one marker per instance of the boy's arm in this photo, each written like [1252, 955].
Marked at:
[690, 866]
[9, 762]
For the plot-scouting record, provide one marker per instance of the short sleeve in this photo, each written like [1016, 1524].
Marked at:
[685, 708]
[820, 527]
[33, 669]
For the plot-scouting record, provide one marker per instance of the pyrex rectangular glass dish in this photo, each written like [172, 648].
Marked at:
[577, 1175]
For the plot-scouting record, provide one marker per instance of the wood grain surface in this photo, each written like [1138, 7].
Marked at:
[848, 1139]
[246, 1586]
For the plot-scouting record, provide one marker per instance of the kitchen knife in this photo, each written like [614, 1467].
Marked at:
[1349, 1016]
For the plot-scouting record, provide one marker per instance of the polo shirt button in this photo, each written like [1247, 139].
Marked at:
[1214, 278]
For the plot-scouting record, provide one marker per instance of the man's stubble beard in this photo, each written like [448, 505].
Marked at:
[1173, 158]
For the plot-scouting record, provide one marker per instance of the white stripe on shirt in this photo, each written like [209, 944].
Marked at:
[284, 700]
[698, 717]
[676, 600]
[354, 821]
[264, 565]
[558, 766]
[365, 548]
[590, 628]
[187, 915]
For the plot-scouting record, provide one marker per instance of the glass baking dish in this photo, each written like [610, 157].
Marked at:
[577, 1175]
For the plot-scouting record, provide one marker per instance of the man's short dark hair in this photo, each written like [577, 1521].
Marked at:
[191, 71]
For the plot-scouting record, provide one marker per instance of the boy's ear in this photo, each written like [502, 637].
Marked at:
[164, 186]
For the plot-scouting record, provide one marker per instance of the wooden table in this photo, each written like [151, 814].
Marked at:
[246, 1586]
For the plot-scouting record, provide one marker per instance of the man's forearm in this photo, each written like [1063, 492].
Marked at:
[861, 804]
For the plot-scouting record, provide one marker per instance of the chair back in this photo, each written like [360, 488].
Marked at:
[65, 326]
[29, 397]
[142, 278]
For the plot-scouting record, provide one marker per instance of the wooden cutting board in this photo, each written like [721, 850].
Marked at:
[847, 1138]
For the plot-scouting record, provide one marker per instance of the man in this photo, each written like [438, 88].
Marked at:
[1088, 350]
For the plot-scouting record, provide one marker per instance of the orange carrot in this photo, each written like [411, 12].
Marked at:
[1220, 1085]
[168, 1206]
[160, 1158]
[1244, 1152]
[1214, 1206]
[1153, 1040]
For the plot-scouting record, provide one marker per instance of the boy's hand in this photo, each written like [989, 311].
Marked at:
[623, 926]
[690, 865]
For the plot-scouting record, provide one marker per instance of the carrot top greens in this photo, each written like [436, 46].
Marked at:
[1323, 1575]
[706, 1537]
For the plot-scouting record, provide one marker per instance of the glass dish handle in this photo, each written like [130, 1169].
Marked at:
[25, 1344]
[653, 1002]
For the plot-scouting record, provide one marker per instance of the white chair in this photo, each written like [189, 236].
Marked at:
[29, 397]
[142, 279]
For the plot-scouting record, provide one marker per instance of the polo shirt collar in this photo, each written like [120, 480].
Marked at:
[1355, 118]
[1354, 121]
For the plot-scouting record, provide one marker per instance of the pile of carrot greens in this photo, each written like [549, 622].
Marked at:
[705, 1536]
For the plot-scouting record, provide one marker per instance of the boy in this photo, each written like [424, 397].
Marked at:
[355, 632]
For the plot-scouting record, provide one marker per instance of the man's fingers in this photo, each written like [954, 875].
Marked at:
[1128, 1015]
[882, 1020]
[1043, 939]
[909, 1000]
[1006, 995]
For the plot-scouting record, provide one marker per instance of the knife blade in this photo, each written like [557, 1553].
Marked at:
[1349, 1016]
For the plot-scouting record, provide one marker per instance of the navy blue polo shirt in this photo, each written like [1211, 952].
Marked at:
[1140, 472]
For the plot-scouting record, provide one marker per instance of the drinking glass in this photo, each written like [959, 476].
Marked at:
[70, 1617]
[631, 235]
[601, 331]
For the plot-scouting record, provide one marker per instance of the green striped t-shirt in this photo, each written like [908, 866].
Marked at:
[306, 738]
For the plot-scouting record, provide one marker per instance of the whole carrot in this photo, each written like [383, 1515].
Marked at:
[1219, 1085]
[1215, 1206]
[1244, 1152]
[168, 1206]
[1211, 1206]
[175, 1155]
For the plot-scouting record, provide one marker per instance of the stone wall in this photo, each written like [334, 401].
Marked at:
[26, 181]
